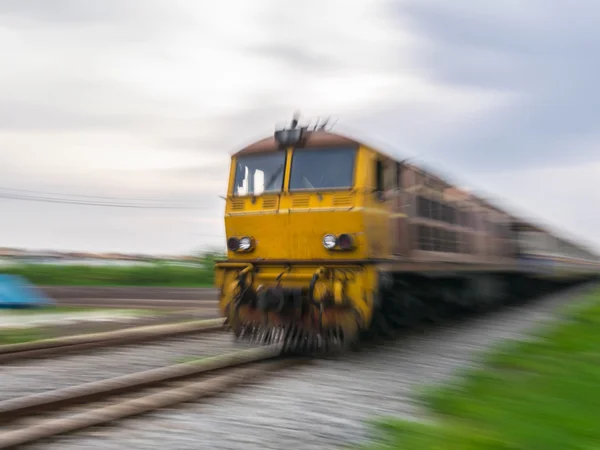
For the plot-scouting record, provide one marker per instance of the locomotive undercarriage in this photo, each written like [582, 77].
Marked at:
[296, 327]
[303, 317]
[409, 300]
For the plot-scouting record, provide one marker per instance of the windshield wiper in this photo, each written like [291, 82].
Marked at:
[273, 177]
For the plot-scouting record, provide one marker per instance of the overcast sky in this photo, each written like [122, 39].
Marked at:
[144, 100]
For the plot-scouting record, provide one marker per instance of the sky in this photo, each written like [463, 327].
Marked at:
[141, 102]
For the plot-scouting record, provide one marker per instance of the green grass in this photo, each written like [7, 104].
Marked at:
[81, 275]
[19, 335]
[541, 394]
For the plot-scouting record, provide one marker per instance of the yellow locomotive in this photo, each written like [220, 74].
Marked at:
[328, 237]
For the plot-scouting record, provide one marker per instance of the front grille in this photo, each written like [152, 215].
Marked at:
[342, 200]
[300, 202]
[269, 203]
[237, 205]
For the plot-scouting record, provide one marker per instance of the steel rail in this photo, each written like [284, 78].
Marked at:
[69, 344]
[231, 369]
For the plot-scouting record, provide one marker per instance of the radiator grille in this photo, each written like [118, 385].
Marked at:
[342, 200]
[300, 202]
[237, 205]
[269, 203]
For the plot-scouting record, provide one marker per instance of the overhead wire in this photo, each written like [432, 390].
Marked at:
[72, 201]
[78, 195]
[79, 200]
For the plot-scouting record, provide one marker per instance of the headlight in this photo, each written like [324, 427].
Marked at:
[233, 243]
[345, 241]
[342, 242]
[245, 244]
[329, 241]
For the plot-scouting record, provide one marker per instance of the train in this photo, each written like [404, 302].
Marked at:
[330, 239]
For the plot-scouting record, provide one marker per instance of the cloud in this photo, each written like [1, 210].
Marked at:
[148, 98]
[69, 12]
[531, 49]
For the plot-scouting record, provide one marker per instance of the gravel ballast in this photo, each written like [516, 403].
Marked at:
[32, 376]
[324, 405]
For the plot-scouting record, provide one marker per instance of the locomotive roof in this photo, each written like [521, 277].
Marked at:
[310, 139]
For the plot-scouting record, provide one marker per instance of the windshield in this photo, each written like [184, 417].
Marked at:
[255, 174]
[330, 168]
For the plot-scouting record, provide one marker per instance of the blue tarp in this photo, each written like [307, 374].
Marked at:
[17, 292]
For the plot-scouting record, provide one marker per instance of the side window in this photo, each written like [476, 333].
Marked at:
[379, 172]
[423, 206]
[390, 178]
[399, 181]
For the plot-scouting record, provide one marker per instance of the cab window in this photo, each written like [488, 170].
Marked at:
[322, 168]
[257, 174]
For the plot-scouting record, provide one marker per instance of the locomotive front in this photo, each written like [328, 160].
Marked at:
[296, 245]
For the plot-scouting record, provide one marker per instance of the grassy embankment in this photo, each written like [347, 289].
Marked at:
[28, 333]
[157, 274]
[541, 394]
[151, 275]
[20, 335]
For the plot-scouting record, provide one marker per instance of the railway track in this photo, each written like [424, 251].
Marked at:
[134, 297]
[37, 417]
[71, 344]
[206, 306]
[26, 420]
[288, 407]
[131, 292]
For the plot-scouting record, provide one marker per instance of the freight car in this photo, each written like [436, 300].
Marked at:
[329, 238]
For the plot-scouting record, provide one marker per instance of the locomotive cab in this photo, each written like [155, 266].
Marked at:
[298, 219]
